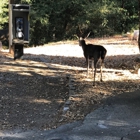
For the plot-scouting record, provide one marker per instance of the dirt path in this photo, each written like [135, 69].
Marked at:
[33, 91]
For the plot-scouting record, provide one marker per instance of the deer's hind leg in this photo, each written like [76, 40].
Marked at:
[95, 70]
[87, 61]
[92, 66]
[101, 69]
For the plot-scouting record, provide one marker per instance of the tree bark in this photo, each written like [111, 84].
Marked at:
[139, 27]
[10, 46]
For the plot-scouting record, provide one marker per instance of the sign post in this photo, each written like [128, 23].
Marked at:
[18, 28]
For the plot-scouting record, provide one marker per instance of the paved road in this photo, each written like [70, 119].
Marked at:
[117, 119]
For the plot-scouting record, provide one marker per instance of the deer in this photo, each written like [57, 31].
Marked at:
[93, 53]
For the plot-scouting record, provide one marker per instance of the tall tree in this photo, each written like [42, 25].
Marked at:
[139, 27]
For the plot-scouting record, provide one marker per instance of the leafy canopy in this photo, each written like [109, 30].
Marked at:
[52, 20]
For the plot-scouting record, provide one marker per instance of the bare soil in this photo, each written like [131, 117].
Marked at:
[33, 91]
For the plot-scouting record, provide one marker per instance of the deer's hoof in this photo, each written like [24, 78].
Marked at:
[101, 80]
[93, 85]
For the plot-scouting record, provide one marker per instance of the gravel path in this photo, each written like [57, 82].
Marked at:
[34, 90]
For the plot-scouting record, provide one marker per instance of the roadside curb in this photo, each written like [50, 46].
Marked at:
[71, 93]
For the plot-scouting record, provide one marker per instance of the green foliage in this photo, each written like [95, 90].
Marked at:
[3, 14]
[52, 20]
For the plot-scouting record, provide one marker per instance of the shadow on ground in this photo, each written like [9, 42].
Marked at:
[34, 90]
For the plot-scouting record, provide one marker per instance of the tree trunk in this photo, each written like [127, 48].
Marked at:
[139, 27]
[10, 46]
[139, 40]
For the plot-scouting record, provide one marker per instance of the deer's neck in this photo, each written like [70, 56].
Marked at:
[83, 46]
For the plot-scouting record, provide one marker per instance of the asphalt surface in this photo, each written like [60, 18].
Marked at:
[117, 119]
